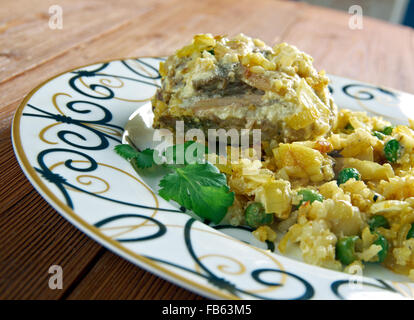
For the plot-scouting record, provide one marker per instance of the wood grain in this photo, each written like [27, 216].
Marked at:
[115, 278]
[380, 53]
[160, 36]
[33, 236]
[28, 41]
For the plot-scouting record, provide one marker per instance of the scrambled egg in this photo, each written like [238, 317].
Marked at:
[383, 188]
[241, 83]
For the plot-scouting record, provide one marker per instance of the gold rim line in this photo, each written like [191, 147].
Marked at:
[31, 173]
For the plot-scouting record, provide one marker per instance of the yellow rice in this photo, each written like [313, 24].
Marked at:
[385, 188]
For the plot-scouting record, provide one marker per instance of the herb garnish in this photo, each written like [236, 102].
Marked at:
[199, 187]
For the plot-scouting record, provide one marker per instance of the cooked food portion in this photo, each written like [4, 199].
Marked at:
[346, 200]
[241, 83]
[339, 185]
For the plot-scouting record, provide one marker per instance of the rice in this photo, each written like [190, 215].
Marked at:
[385, 188]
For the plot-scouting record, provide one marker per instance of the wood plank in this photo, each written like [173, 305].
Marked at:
[26, 40]
[33, 237]
[327, 37]
[127, 41]
[156, 33]
[380, 53]
[115, 278]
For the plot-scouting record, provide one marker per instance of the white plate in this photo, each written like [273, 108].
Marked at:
[64, 133]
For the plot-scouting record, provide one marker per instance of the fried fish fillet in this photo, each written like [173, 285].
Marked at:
[241, 83]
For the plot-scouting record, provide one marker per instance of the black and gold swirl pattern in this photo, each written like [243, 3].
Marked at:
[73, 164]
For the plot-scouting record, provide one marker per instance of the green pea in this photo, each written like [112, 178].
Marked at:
[381, 241]
[387, 130]
[410, 233]
[309, 195]
[392, 150]
[348, 173]
[349, 127]
[378, 221]
[345, 249]
[256, 216]
[378, 134]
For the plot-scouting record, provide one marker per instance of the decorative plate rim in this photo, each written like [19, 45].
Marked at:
[93, 232]
[78, 222]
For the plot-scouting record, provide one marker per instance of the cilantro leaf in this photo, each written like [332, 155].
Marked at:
[200, 188]
[140, 159]
[145, 159]
[181, 153]
[126, 151]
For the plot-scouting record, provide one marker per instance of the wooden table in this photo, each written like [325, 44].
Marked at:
[33, 236]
